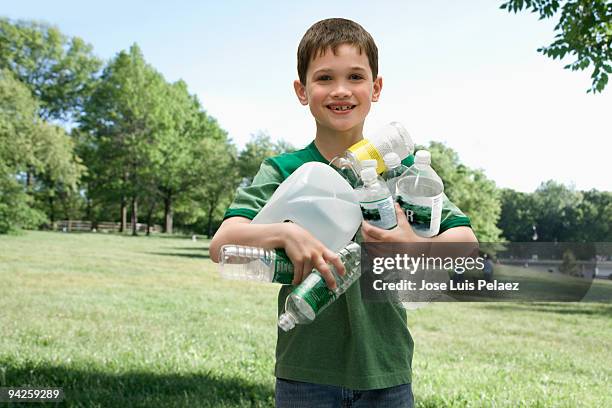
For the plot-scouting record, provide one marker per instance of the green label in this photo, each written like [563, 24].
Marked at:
[418, 216]
[283, 268]
[379, 213]
[315, 292]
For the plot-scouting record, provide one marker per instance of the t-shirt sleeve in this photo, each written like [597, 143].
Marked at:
[452, 216]
[250, 200]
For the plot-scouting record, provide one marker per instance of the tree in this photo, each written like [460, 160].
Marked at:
[518, 215]
[584, 30]
[123, 121]
[470, 190]
[260, 147]
[29, 146]
[218, 178]
[58, 70]
[553, 201]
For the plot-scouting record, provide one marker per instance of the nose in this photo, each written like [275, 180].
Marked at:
[341, 90]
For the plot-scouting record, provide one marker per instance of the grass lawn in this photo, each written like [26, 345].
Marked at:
[123, 321]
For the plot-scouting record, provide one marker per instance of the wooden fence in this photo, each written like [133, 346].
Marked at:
[86, 226]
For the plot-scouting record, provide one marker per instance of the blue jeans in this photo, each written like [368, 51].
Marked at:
[296, 394]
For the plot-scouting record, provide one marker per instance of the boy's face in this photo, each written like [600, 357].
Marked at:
[339, 89]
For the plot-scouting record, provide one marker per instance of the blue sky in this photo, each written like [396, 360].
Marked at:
[464, 73]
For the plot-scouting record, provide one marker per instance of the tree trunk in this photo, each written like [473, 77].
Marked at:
[51, 210]
[211, 210]
[134, 216]
[168, 214]
[149, 217]
[123, 226]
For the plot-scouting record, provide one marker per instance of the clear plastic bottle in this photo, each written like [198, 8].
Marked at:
[312, 296]
[370, 163]
[394, 170]
[391, 138]
[420, 194]
[376, 201]
[255, 264]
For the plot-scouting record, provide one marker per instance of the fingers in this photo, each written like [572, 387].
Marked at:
[334, 259]
[326, 273]
[307, 269]
[401, 215]
[298, 268]
[372, 233]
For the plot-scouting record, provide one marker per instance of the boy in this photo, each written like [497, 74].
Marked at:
[355, 353]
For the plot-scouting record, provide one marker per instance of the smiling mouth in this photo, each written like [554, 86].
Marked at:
[341, 108]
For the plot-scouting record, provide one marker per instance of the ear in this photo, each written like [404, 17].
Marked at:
[378, 83]
[300, 91]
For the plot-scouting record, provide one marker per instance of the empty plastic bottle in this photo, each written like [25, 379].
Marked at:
[318, 199]
[376, 201]
[420, 194]
[391, 138]
[394, 170]
[312, 296]
[255, 264]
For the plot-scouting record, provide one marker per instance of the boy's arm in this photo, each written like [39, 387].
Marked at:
[304, 250]
[404, 232]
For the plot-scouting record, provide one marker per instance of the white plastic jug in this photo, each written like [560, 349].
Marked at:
[319, 200]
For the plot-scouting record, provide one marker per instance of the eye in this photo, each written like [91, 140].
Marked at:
[324, 78]
[355, 77]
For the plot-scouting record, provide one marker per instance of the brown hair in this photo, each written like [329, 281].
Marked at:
[331, 33]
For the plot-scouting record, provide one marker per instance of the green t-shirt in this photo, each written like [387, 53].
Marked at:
[352, 344]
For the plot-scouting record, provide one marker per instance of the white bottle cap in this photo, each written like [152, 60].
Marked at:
[368, 163]
[422, 157]
[369, 174]
[392, 160]
[286, 321]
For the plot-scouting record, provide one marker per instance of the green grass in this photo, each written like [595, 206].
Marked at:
[123, 321]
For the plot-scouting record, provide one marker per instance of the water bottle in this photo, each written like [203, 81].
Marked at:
[364, 165]
[391, 138]
[375, 201]
[395, 169]
[312, 296]
[419, 193]
[240, 262]
[255, 264]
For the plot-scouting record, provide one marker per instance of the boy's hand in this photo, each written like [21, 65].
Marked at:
[306, 252]
[402, 233]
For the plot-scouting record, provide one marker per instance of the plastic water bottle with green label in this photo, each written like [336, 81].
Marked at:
[420, 194]
[255, 264]
[312, 296]
[394, 170]
[376, 201]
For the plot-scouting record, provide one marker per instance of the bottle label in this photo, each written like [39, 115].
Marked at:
[283, 268]
[379, 213]
[423, 213]
[315, 292]
[365, 150]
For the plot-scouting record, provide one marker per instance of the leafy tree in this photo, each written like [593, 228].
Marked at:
[123, 121]
[256, 150]
[553, 201]
[470, 190]
[518, 215]
[218, 179]
[29, 146]
[57, 69]
[584, 30]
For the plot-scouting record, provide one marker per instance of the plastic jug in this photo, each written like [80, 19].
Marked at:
[319, 200]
